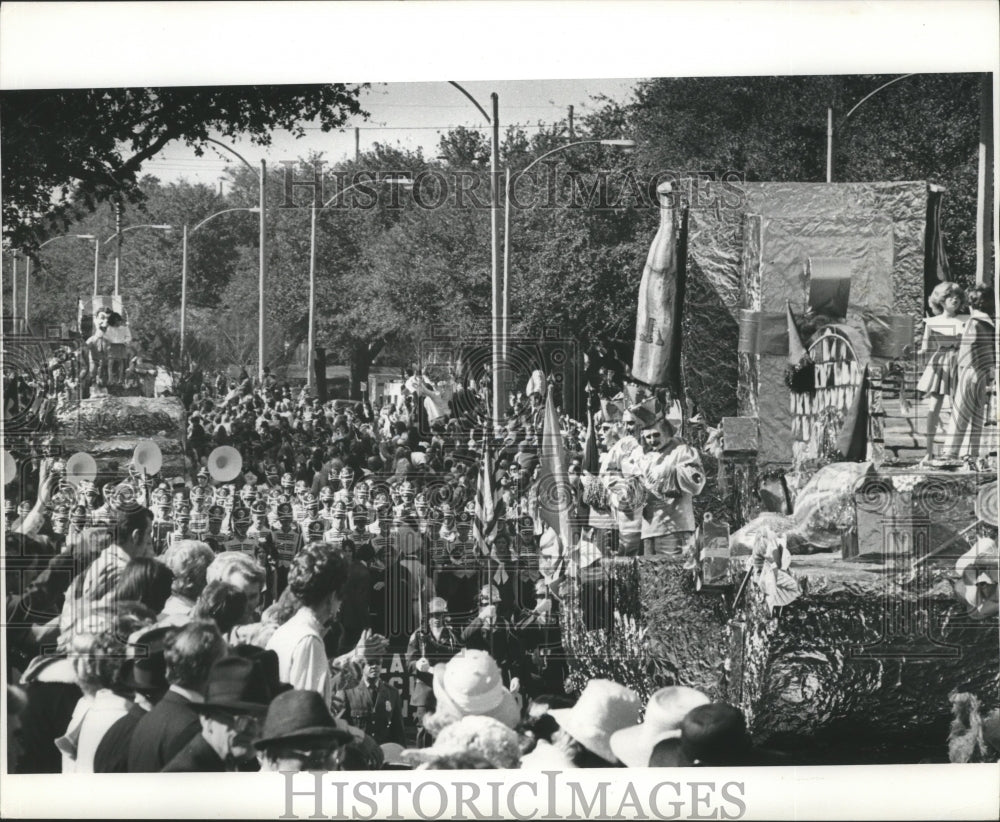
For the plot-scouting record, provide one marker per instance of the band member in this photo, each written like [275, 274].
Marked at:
[287, 537]
[338, 532]
[310, 508]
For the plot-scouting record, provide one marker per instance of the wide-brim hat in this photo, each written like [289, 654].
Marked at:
[603, 708]
[236, 684]
[470, 684]
[713, 734]
[297, 716]
[665, 712]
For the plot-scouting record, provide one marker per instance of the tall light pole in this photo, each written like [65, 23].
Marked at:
[27, 269]
[262, 277]
[311, 341]
[498, 342]
[620, 144]
[844, 119]
[184, 266]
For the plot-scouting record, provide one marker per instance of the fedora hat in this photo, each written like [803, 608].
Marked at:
[145, 668]
[714, 734]
[300, 715]
[470, 684]
[237, 685]
[665, 712]
[603, 708]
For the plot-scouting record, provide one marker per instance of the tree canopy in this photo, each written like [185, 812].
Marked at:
[64, 151]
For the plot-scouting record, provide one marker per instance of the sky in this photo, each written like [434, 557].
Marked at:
[409, 114]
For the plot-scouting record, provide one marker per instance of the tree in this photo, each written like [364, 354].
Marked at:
[64, 151]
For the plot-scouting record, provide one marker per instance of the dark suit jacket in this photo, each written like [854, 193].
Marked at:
[379, 715]
[195, 757]
[112, 752]
[161, 734]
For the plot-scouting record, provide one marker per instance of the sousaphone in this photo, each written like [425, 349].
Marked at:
[147, 458]
[224, 464]
[81, 467]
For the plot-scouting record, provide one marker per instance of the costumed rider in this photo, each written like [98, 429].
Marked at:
[672, 474]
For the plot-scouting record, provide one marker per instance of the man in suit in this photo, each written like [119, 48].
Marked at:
[236, 699]
[173, 721]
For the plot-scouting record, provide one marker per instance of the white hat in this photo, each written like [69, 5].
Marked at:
[665, 711]
[603, 708]
[470, 683]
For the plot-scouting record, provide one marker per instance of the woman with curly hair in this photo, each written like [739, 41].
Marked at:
[316, 578]
[942, 334]
[189, 560]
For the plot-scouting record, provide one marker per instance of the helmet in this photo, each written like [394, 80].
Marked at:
[286, 480]
[325, 493]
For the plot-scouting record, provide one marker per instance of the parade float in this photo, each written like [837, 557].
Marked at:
[114, 409]
[839, 592]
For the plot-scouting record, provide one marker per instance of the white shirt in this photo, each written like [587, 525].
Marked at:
[105, 710]
[302, 661]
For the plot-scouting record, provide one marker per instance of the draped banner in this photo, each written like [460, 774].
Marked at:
[655, 359]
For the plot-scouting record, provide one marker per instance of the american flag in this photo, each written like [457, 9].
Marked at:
[484, 526]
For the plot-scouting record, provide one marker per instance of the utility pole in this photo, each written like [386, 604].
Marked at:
[498, 383]
[985, 194]
[262, 284]
[357, 144]
[571, 136]
[118, 244]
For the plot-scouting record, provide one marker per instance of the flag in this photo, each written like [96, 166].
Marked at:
[554, 492]
[591, 463]
[484, 526]
[853, 440]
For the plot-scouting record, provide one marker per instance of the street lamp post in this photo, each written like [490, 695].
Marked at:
[262, 240]
[844, 119]
[621, 144]
[184, 266]
[311, 341]
[27, 267]
[498, 341]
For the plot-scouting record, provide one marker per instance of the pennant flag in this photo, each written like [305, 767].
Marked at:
[484, 525]
[591, 463]
[554, 491]
[853, 440]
